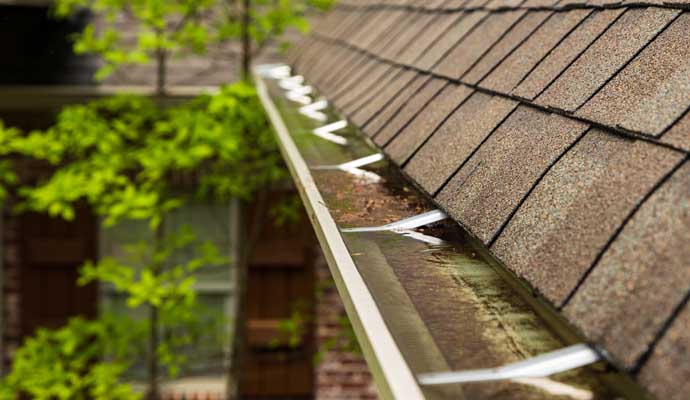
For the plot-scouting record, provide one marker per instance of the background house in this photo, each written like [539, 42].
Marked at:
[40, 255]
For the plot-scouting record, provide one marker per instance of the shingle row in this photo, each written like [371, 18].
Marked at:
[558, 138]
[459, 5]
[626, 69]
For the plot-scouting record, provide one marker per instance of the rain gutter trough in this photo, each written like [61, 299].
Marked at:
[436, 316]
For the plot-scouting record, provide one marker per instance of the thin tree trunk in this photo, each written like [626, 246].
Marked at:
[153, 392]
[252, 227]
[252, 230]
[161, 73]
[246, 40]
[161, 65]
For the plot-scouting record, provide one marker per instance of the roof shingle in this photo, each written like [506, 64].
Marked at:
[642, 277]
[556, 235]
[679, 134]
[516, 35]
[632, 31]
[452, 36]
[426, 122]
[667, 373]
[390, 106]
[653, 90]
[567, 51]
[468, 51]
[409, 110]
[511, 71]
[589, 217]
[455, 140]
[491, 184]
[378, 100]
[427, 38]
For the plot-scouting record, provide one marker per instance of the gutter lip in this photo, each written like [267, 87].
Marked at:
[392, 375]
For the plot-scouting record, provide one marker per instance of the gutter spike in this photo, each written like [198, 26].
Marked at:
[275, 71]
[540, 366]
[361, 162]
[353, 167]
[292, 82]
[404, 224]
[424, 238]
[313, 110]
[326, 132]
[299, 95]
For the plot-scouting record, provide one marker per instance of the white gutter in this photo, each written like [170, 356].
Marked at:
[392, 376]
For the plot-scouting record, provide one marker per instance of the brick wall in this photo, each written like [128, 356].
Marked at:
[340, 375]
[10, 287]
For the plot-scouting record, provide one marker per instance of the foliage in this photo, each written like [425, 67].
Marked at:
[82, 360]
[119, 155]
[7, 175]
[345, 340]
[87, 358]
[286, 211]
[154, 280]
[178, 27]
[129, 159]
[269, 19]
[166, 290]
[291, 331]
[162, 26]
[126, 158]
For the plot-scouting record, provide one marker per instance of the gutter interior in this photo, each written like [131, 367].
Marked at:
[448, 306]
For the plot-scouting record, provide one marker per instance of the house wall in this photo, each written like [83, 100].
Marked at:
[340, 375]
[11, 306]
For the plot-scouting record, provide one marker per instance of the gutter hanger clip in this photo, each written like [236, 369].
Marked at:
[404, 225]
[292, 82]
[424, 238]
[313, 110]
[275, 71]
[326, 132]
[299, 95]
[361, 162]
[540, 366]
[353, 167]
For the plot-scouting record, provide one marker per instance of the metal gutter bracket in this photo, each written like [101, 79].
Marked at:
[353, 167]
[541, 366]
[404, 225]
[292, 82]
[299, 94]
[275, 71]
[326, 132]
[313, 110]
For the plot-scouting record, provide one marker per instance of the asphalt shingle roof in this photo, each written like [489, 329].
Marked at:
[557, 132]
